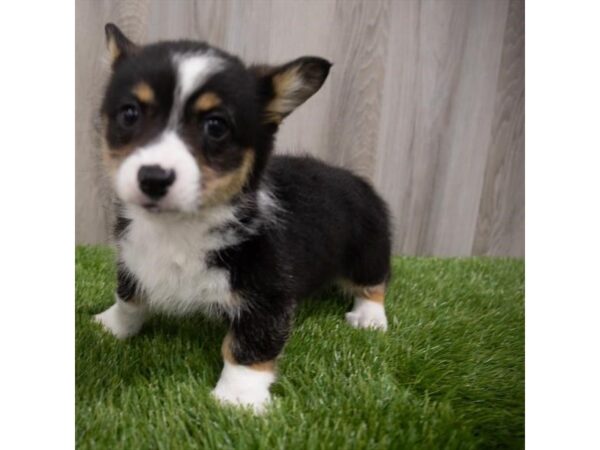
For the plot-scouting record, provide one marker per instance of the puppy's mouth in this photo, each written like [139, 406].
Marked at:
[152, 207]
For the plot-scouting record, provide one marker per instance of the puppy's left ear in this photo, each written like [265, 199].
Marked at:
[118, 45]
[282, 89]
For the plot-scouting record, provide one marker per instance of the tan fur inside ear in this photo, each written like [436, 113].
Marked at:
[287, 86]
[118, 45]
[113, 49]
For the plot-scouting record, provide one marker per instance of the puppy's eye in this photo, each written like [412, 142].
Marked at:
[215, 128]
[128, 115]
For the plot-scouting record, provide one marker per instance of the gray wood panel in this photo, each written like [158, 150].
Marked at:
[501, 219]
[426, 99]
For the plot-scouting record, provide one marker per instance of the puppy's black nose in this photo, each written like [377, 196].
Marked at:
[155, 181]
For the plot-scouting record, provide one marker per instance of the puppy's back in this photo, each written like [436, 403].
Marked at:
[336, 226]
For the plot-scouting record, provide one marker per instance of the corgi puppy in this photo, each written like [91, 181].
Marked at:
[209, 221]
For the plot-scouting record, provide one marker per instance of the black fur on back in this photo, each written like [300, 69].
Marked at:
[330, 225]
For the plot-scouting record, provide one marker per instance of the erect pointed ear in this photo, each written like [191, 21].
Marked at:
[283, 88]
[119, 47]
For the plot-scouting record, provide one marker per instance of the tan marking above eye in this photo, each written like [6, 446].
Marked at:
[143, 92]
[207, 101]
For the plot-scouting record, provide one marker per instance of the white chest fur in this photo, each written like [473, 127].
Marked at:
[167, 256]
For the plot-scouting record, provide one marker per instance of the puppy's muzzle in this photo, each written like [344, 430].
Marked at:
[154, 181]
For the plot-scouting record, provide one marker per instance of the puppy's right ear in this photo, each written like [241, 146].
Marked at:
[119, 47]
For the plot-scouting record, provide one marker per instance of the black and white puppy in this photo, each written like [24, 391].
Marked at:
[208, 221]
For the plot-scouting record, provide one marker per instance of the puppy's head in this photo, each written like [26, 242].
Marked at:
[186, 125]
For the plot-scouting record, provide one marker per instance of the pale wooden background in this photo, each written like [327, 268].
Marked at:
[426, 99]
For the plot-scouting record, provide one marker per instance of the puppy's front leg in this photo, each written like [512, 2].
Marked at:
[249, 352]
[127, 315]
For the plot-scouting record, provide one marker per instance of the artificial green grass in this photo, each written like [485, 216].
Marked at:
[449, 373]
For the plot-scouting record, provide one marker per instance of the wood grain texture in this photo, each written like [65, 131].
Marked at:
[464, 147]
[361, 42]
[440, 85]
[501, 219]
[425, 99]
[92, 199]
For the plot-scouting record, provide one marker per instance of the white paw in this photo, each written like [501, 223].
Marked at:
[257, 400]
[241, 386]
[122, 319]
[367, 314]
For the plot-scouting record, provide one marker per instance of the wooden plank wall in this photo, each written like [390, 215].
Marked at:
[426, 99]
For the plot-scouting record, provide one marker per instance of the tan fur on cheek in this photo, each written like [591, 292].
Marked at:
[112, 158]
[110, 162]
[218, 188]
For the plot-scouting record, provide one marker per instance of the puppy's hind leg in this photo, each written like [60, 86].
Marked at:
[369, 310]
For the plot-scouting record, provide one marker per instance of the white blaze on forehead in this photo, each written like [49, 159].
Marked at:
[193, 71]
